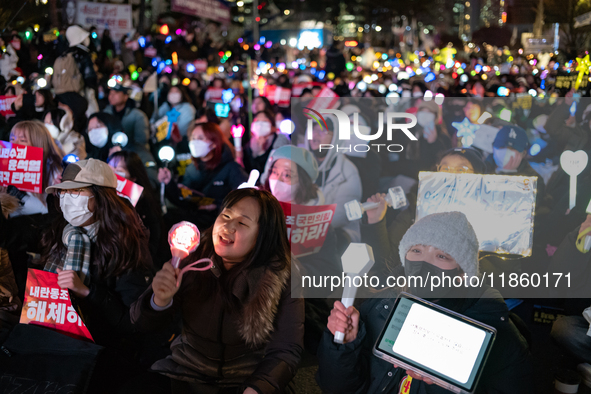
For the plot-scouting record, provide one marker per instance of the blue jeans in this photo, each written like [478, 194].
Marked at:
[571, 333]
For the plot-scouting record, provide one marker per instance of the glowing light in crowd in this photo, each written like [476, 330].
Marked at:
[141, 41]
[293, 42]
[168, 62]
[71, 158]
[175, 58]
[505, 115]
[361, 85]
[40, 57]
[321, 74]
[484, 117]
[178, 32]
[256, 47]
[428, 95]
[533, 92]
[235, 69]
[186, 82]
[168, 40]
[49, 71]
[191, 68]
[402, 75]
[439, 98]
[287, 126]
[166, 153]
[430, 77]
[164, 30]
[41, 82]
[227, 96]
[112, 83]
[268, 44]
[382, 89]
[466, 130]
[583, 65]
[183, 239]
[393, 87]
[503, 91]
[309, 39]
[464, 78]
[221, 69]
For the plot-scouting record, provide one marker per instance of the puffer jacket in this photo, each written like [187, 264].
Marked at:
[258, 346]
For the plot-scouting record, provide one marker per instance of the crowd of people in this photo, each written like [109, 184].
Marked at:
[237, 327]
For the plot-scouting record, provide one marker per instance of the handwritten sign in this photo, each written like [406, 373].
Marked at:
[500, 208]
[116, 18]
[46, 304]
[307, 226]
[21, 166]
[128, 189]
[5, 105]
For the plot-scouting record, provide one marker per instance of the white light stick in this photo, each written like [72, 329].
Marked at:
[587, 244]
[252, 180]
[237, 133]
[395, 198]
[357, 261]
[573, 163]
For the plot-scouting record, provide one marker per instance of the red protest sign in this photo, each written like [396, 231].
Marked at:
[128, 189]
[326, 99]
[297, 89]
[214, 95]
[278, 95]
[200, 65]
[5, 105]
[21, 166]
[307, 226]
[48, 305]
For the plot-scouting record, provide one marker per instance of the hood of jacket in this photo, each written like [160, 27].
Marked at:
[332, 155]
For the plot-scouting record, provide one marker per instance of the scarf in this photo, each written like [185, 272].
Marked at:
[78, 241]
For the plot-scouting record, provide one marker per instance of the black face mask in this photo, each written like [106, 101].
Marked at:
[425, 270]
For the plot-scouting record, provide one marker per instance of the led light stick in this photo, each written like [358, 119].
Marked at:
[165, 154]
[573, 163]
[583, 65]
[395, 199]
[252, 180]
[357, 261]
[184, 239]
[237, 133]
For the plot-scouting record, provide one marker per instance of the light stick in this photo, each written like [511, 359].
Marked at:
[237, 133]
[573, 163]
[183, 239]
[395, 198]
[357, 261]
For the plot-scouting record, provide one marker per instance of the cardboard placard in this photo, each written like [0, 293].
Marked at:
[48, 305]
[500, 208]
[128, 189]
[307, 226]
[21, 166]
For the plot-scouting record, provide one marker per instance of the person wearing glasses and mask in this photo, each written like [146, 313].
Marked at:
[264, 138]
[213, 175]
[98, 247]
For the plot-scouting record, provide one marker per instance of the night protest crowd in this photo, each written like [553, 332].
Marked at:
[105, 112]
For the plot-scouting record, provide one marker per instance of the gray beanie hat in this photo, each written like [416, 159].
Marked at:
[300, 156]
[448, 231]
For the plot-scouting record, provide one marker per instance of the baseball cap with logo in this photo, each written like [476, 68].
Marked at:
[86, 173]
[511, 137]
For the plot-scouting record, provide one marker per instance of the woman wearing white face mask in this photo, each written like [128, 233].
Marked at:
[60, 125]
[214, 174]
[98, 247]
[178, 108]
[100, 130]
[264, 138]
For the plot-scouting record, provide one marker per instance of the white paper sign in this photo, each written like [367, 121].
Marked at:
[500, 208]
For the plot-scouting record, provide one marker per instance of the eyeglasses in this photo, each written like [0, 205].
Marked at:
[74, 193]
[455, 170]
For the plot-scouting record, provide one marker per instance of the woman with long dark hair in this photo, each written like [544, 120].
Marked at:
[242, 330]
[207, 182]
[128, 164]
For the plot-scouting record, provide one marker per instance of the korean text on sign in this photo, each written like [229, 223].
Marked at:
[21, 166]
[307, 226]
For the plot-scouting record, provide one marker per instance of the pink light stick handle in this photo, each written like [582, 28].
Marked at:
[192, 267]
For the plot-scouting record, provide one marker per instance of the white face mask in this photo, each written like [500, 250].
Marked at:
[503, 156]
[53, 130]
[417, 94]
[174, 98]
[75, 210]
[281, 190]
[199, 148]
[261, 129]
[99, 136]
[120, 173]
[426, 119]
[406, 93]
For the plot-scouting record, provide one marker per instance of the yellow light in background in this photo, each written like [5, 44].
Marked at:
[175, 58]
[186, 82]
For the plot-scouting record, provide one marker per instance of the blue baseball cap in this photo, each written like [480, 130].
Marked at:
[511, 137]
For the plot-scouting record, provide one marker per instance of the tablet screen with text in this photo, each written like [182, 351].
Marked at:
[437, 342]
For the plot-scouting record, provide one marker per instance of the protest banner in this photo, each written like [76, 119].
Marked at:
[5, 105]
[128, 189]
[48, 305]
[307, 226]
[214, 95]
[116, 18]
[278, 95]
[210, 9]
[21, 166]
[326, 99]
[500, 208]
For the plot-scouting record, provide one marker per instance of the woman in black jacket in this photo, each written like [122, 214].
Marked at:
[99, 250]
[207, 182]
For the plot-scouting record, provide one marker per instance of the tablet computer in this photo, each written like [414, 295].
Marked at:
[435, 342]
